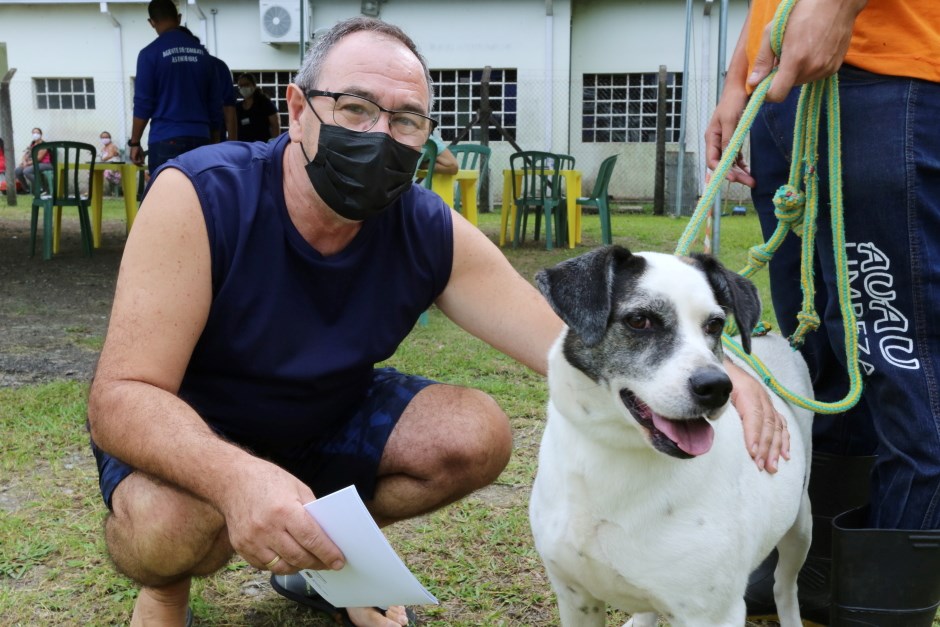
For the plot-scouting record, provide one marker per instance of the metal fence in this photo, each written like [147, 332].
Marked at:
[551, 117]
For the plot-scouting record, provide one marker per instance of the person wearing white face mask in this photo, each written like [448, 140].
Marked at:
[257, 116]
[108, 152]
[25, 171]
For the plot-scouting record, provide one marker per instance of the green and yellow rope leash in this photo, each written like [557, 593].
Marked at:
[795, 210]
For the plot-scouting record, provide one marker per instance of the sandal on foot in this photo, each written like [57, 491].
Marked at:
[296, 588]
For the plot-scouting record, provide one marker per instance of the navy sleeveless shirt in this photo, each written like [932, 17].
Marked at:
[292, 336]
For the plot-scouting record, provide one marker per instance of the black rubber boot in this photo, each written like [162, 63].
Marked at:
[883, 577]
[836, 483]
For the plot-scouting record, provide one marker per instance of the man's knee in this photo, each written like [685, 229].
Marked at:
[452, 435]
[157, 534]
[496, 446]
[481, 450]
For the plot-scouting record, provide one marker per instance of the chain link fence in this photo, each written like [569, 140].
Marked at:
[589, 123]
[67, 109]
[593, 122]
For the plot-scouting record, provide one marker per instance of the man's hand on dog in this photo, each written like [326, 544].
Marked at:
[765, 429]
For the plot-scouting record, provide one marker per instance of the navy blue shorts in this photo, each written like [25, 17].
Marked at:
[350, 457]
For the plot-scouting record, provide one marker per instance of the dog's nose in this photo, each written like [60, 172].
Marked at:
[711, 388]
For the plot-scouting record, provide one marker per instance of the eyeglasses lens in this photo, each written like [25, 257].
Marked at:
[359, 114]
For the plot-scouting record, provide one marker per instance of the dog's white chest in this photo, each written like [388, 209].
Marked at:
[580, 550]
[603, 525]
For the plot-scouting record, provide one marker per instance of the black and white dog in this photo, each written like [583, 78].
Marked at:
[646, 498]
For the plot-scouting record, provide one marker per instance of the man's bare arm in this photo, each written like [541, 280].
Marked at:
[488, 298]
[160, 308]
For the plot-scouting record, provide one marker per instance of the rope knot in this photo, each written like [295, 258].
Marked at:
[763, 328]
[789, 205]
[809, 318]
[758, 256]
[809, 322]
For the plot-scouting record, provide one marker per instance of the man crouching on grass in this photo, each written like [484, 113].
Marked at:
[259, 286]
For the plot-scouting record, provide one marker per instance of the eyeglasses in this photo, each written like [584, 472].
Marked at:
[361, 114]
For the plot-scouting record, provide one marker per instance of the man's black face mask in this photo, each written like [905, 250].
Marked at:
[359, 175]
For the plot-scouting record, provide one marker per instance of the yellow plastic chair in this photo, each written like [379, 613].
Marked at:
[469, 157]
[598, 197]
[62, 187]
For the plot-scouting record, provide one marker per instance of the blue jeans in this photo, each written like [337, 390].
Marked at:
[26, 175]
[160, 152]
[891, 190]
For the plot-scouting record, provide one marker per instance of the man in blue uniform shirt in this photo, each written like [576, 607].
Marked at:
[176, 90]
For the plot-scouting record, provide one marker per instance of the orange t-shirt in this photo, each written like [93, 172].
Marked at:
[891, 37]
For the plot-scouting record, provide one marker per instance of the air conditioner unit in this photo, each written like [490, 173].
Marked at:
[280, 21]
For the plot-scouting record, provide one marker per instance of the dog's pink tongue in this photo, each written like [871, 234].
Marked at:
[692, 436]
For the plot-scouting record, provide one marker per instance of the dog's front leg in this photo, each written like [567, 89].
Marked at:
[577, 608]
[647, 619]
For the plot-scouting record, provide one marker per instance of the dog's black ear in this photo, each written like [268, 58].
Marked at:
[735, 293]
[579, 290]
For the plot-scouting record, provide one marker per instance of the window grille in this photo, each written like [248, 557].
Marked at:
[622, 107]
[457, 98]
[64, 93]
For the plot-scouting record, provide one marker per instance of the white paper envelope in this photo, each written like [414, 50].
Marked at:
[374, 575]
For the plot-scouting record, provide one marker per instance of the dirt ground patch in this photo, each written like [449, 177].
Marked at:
[54, 313]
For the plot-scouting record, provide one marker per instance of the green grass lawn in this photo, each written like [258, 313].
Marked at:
[476, 556]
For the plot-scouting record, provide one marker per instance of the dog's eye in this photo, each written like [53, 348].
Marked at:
[638, 322]
[715, 326]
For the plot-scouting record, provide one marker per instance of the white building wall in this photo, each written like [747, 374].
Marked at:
[550, 52]
[472, 35]
[637, 36]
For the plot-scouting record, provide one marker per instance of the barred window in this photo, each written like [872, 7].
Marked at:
[64, 93]
[622, 107]
[274, 85]
[457, 94]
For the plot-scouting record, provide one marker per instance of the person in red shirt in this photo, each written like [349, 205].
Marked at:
[25, 171]
[3, 164]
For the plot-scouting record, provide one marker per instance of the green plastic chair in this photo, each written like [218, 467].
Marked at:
[62, 187]
[565, 162]
[598, 197]
[537, 191]
[469, 157]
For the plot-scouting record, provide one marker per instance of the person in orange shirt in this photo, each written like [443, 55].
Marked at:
[875, 481]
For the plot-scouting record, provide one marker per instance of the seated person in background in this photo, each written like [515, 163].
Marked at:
[257, 116]
[446, 162]
[25, 171]
[3, 166]
[108, 152]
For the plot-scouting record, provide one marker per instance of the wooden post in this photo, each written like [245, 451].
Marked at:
[659, 184]
[483, 117]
